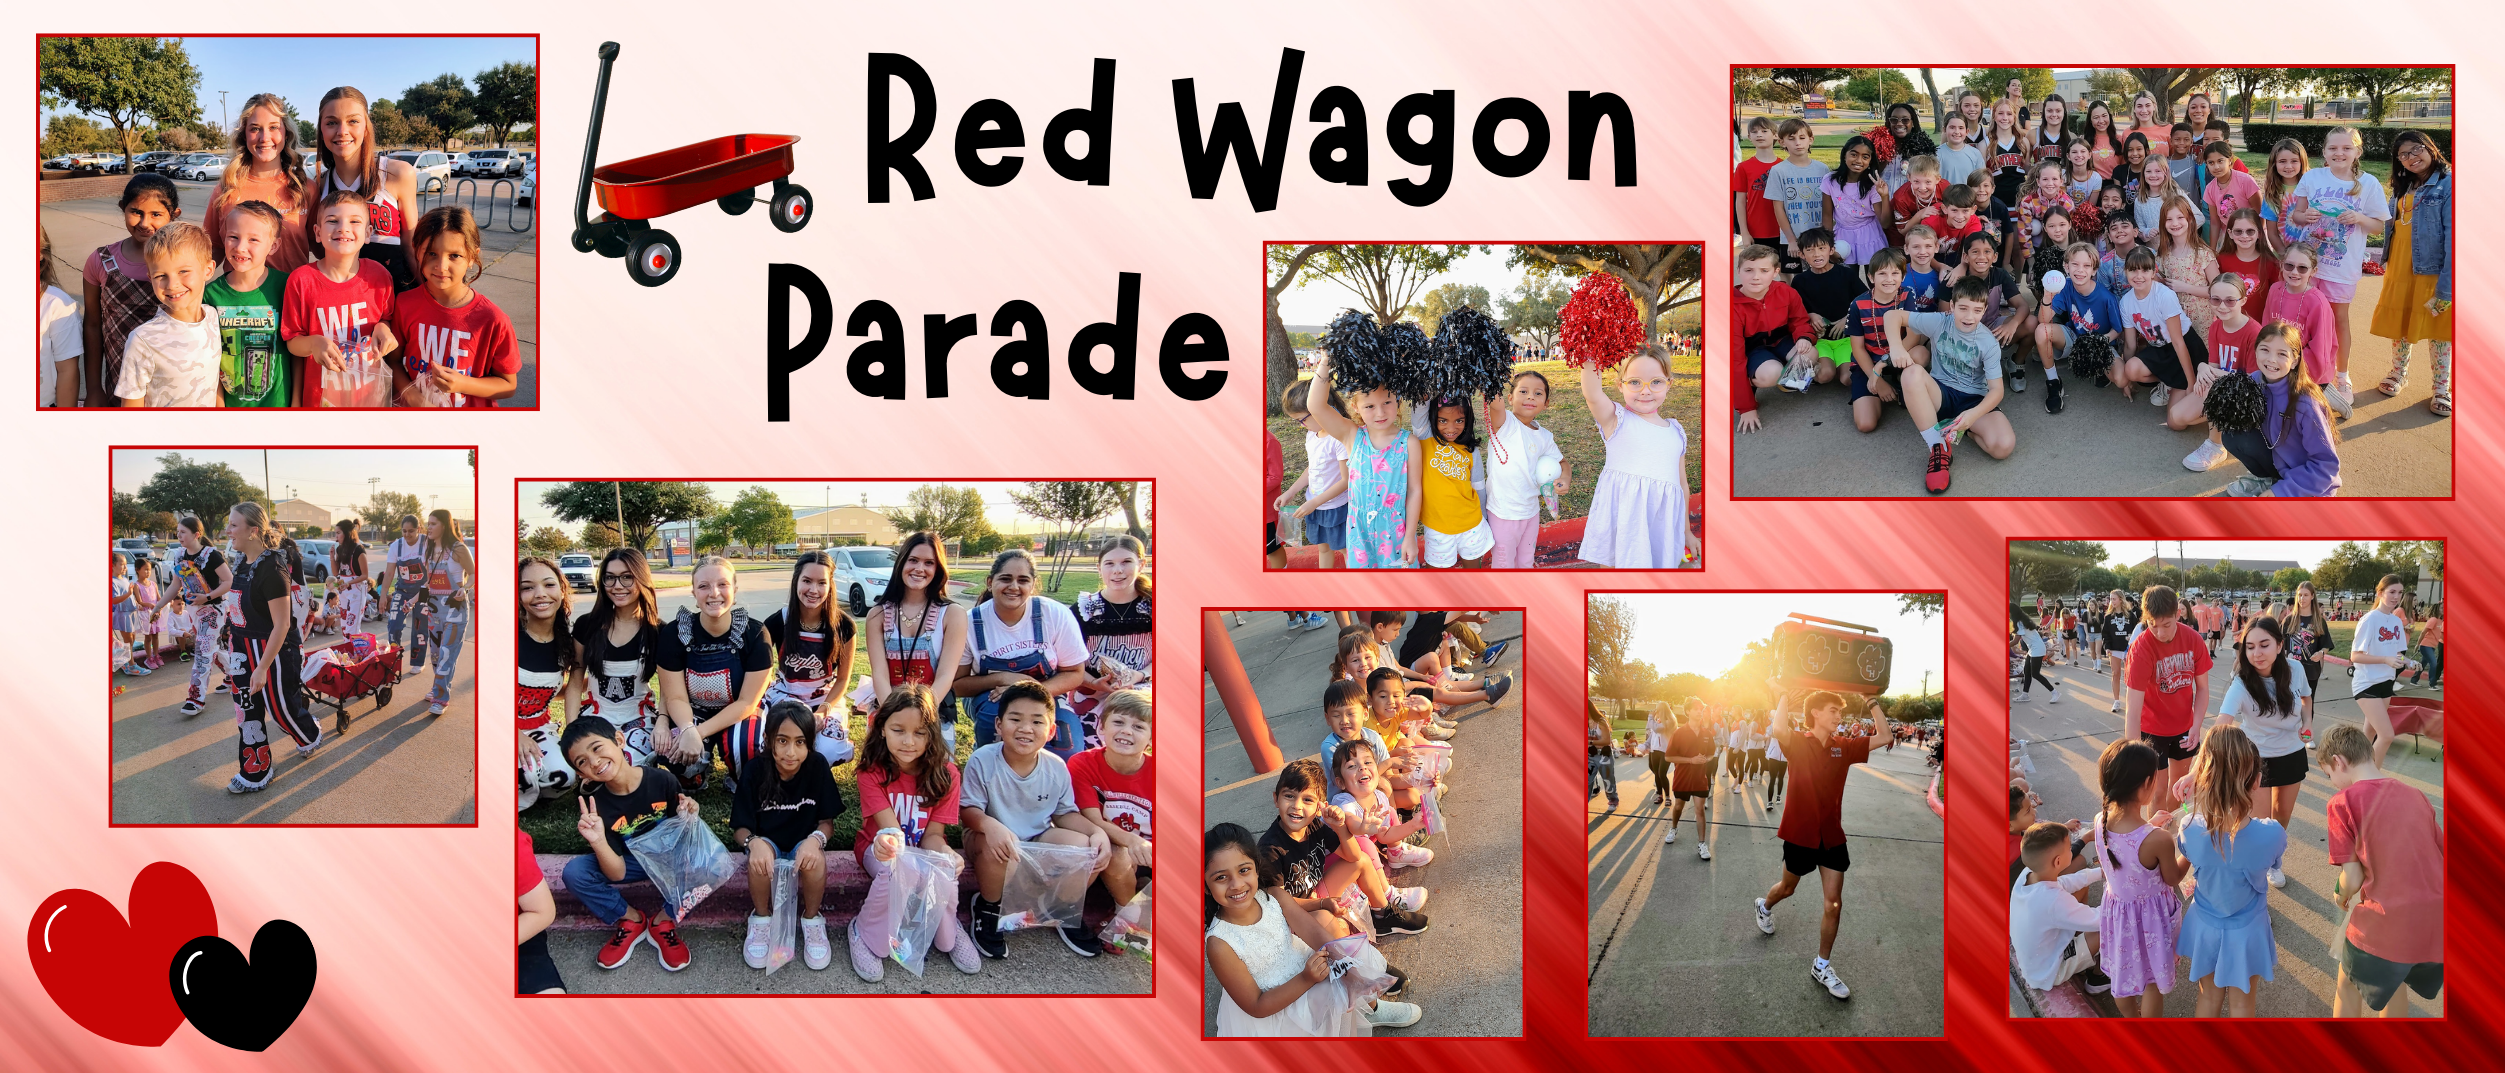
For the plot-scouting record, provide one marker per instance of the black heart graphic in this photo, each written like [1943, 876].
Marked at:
[243, 1004]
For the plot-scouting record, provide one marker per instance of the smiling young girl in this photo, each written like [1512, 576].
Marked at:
[118, 296]
[784, 809]
[2337, 207]
[268, 168]
[1385, 468]
[351, 162]
[2417, 301]
[1455, 532]
[2247, 255]
[909, 790]
[548, 667]
[920, 631]
[1638, 519]
[2298, 299]
[617, 637]
[1523, 464]
[2185, 262]
[813, 646]
[1856, 203]
[2375, 650]
[1119, 622]
[457, 347]
[1265, 953]
[2267, 698]
[2296, 451]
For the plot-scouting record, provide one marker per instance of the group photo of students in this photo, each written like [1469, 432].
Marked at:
[1763, 813]
[1361, 871]
[320, 246]
[1929, 246]
[759, 729]
[2227, 800]
[334, 633]
[1484, 407]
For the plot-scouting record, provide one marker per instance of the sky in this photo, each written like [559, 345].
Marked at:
[1315, 300]
[302, 69]
[2308, 552]
[1707, 632]
[801, 495]
[334, 480]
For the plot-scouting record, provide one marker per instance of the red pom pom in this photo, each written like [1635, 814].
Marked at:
[1883, 141]
[1598, 327]
[2086, 221]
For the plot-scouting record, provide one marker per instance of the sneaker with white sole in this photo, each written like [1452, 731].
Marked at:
[1703, 852]
[1404, 855]
[1435, 732]
[2160, 395]
[1674, 836]
[1765, 917]
[1386, 1013]
[871, 969]
[1833, 983]
[2276, 877]
[2205, 457]
[2249, 487]
[1409, 899]
[194, 707]
[2117, 706]
[815, 952]
[962, 953]
[760, 940]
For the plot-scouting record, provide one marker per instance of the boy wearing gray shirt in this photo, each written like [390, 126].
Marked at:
[1016, 792]
[1959, 393]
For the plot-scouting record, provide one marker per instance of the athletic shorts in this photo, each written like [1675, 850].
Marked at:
[1860, 383]
[2161, 360]
[1690, 795]
[2337, 293]
[1838, 352]
[2170, 746]
[1802, 860]
[2061, 336]
[1954, 402]
[1270, 538]
[2378, 980]
[2286, 770]
[2382, 689]
[1757, 359]
[1328, 526]
[1445, 549]
[2075, 959]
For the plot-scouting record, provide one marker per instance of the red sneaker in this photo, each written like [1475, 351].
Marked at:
[1935, 475]
[621, 944]
[665, 941]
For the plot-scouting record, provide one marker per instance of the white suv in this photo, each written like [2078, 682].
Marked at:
[434, 169]
[861, 575]
[491, 163]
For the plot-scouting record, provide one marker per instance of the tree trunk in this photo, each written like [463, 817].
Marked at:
[1130, 510]
[1279, 353]
[1939, 115]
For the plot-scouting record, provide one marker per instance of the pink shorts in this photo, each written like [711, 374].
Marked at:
[2338, 293]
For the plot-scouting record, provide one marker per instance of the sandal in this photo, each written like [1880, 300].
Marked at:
[2441, 405]
[2391, 385]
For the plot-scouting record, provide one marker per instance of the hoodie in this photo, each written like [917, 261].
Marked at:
[2307, 461]
[1768, 323]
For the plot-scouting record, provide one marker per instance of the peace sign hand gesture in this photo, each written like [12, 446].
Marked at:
[588, 824]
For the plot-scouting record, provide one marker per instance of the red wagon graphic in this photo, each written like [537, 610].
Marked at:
[726, 171]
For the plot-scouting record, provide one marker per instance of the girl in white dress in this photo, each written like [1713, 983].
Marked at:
[1263, 950]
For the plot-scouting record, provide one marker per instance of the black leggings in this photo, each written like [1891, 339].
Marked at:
[1660, 763]
[2035, 673]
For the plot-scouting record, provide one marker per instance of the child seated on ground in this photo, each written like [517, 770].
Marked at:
[620, 801]
[1827, 288]
[1265, 953]
[1307, 853]
[2082, 307]
[1359, 662]
[1430, 667]
[908, 787]
[2022, 802]
[1960, 392]
[2052, 934]
[785, 810]
[2390, 850]
[1365, 803]
[1016, 792]
[1344, 709]
[1115, 786]
[1769, 329]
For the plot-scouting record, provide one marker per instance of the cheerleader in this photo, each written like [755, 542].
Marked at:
[547, 666]
[616, 638]
[264, 652]
[813, 645]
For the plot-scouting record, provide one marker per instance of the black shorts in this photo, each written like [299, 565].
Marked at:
[1954, 402]
[1760, 358]
[2170, 747]
[1860, 382]
[2161, 360]
[1690, 795]
[1270, 538]
[1802, 860]
[2378, 980]
[538, 971]
[2286, 770]
[2382, 689]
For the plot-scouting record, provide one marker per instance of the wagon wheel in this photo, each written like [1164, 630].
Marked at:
[652, 258]
[382, 698]
[342, 709]
[792, 207]
[737, 201]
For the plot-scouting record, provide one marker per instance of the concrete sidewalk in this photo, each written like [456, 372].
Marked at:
[1466, 968]
[1674, 946]
[2064, 739]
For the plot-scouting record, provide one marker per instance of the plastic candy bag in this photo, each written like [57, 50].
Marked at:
[1431, 761]
[365, 381]
[1047, 886]
[319, 659]
[1129, 928]
[1429, 807]
[684, 860]
[923, 883]
[1356, 962]
[786, 927]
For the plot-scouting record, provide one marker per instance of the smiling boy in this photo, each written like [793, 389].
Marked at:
[172, 359]
[1115, 786]
[1016, 792]
[248, 298]
[1813, 828]
[1960, 392]
[338, 301]
[622, 801]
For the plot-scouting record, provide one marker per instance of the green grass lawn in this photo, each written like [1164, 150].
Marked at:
[1571, 422]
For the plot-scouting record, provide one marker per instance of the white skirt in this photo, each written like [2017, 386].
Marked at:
[1323, 1011]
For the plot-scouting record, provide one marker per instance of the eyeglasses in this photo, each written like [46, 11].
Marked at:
[2225, 299]
[618, 581]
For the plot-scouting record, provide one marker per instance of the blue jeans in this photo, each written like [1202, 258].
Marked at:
[446, 640]
[402, 619]
[2433, 657]
[598, 893]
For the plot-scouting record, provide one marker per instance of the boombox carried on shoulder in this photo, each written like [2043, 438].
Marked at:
[1817, 653]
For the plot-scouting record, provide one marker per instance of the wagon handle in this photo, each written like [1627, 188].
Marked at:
[591, 144]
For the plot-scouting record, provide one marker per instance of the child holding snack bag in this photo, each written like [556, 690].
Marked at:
[620, 802]
[1115, 785]
[2226, 931]
[336, 310]
[1265, 954]
[252, 370]
[457, 347]
[909, 795]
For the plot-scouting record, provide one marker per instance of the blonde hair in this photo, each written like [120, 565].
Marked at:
[1130, 702]
[2357, 185]
[1926, 164]
[254, 518]
[290, 154]
[177, 237]
[43, 246]
[714, 560]
[2223, 777]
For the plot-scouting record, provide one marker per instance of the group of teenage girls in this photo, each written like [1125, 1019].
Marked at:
[1933, 281]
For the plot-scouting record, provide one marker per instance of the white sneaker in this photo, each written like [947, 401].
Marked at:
[1835, 984]
[1404, 855]
[814, 949]
[2205, 457]
[1386, 1013]
[1765, 917]
[2117, 706]
[1409, 899]
[2276, 877]
[1703, 852]
[760, 939]
[2343, 403]
[1674, 836]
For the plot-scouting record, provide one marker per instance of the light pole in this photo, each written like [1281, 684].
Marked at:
[222, 118]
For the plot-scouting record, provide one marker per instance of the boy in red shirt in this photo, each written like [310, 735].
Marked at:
[1918, 201]
[1957, 219]
[1751, 214]
[2168, 676]
[2390, 849]
[1813, 827]
[1116, 789]
[1691, 750]
[1769, 329]
[339, 301]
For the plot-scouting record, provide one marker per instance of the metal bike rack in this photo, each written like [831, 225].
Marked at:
[487, 220]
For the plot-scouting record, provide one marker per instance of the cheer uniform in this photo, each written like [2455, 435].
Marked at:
[1121, 642]
[539, 679]
[621, 683]
[804, 665]
[407, 609]
[253, 638]
[716, 667]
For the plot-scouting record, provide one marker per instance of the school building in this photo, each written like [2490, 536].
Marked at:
[294, 514]
[2264, 567]
[844, 525]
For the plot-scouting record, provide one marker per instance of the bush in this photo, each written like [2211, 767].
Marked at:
[2259, 137]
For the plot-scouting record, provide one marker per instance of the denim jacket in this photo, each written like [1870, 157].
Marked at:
[2431, 233]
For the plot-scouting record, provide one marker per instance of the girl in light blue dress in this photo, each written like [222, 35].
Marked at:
[2226, 932]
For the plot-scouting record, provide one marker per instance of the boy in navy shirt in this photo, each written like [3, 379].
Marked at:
[2073, 313]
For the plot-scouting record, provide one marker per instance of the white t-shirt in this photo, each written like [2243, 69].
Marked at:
[1514, 460]
[2148, 315]
[2277, 734]
[170, 363]
[2042, 920]
[1063, 644]
[1326, 464]
[2344, 247]
[62, 341]
[2378, 634]
[1774, 748]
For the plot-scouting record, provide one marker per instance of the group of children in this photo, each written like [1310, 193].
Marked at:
[1932, 281]
[2238, 781]
[653, 705]
[280, 297]
[1352, 823]
[1442, 494]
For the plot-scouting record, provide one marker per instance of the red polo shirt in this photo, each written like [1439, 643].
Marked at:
[1691, 778]
[1813, 804]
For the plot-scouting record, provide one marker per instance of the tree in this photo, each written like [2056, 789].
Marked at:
[2289, 577]
[2345, 569]
[1385, 278]
[598, 536]
[1429, 310]
[2169, 84]
[2250, 82]
[1659, 276]
[119, 80]
[1993, 84]
[179, 139]
[1071, 506]
[1532, 308]
[2378, 84]
[129, 514]
[1878, 87]
[445, 102]
[385, 509]
[2111, 84]
[1130, 512]
[423, 132]
[1675, 688]
[1925, 604]
[66, 134]
[1278, 351]
[206, 489]
[2097, 579]
[2424, 557]
[1803, 81]
[950, 513]
[647, 504]
[1939, 110]
[390, 126]
[508, 95]
[758, 518]
[1634, 679]
[1608, 635]
[2058, 563]
[305, 132]
[548, 540]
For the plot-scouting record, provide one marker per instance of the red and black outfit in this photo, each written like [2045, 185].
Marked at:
[252, 638]
[1763, 330]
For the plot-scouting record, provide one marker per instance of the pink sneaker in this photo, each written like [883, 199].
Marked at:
[1404, 855]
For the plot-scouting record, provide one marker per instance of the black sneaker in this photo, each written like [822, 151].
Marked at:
[1081, 941]
[2103, 380]
[2018, 378]
[987, 929]
[1394, 920]
[2094, 981]
[1400, 981]
[2052, 396]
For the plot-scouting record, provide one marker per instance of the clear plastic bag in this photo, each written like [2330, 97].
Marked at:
[923, 884]
[1129, 928]
[1432, 808]
[1047, 887]
[684, 860]
[362, 381]
[1357, 963]
[786, 927]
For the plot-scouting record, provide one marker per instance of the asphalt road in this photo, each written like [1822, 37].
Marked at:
[2065, 738]
[394, 766]
[1466, 968]
[2098, 445]
[1674, 946]
[511, 259]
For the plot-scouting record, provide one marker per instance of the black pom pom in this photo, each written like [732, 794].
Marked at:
[1361, 357]
[2090, 356]
[2235, 404]
[1915, 143]
[1473, 354]
[1412, 361]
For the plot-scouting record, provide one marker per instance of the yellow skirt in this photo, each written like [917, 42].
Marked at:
[2401, 314]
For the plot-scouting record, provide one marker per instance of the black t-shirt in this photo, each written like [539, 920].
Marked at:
[1298, 865]
[808, 656]
[348, 560]
[538, 677]
[1122, 631]
[1425, 632]
[2309, 638]
[631, 814]
[621, 668]
[258, 583]
[717, 666]
[809, 797]
[294, 557]
[1830, 293]
[2117, 629]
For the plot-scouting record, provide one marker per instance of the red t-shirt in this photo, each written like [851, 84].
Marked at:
[2259, 273]
[913, 815]
[1692, 778]
[1129, 801]
[1949, 236]
[1273, 472]
[1750, 179]
[2390, 828]
[316, 306]
[526, 873]
[476, 339]
[2165, 672]
[1813, 802]
[1905, 210]
[2234, 350]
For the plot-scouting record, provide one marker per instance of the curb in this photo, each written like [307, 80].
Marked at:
[727, 907]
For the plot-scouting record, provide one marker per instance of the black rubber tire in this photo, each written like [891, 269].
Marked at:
[860, 602]
[653, 258]
[382, 697]
[738, 202]
[793, 207]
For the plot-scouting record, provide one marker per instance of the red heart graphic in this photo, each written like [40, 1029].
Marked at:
[109, 975]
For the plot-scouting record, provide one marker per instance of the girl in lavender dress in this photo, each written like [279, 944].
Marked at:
[1638, 519]
[2142, 915]
[1856, 203]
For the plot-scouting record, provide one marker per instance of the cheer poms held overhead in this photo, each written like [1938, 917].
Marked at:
[1361, 355]
[1473, 355]
[1598, 327]
[2235, 404]
[1470, 355]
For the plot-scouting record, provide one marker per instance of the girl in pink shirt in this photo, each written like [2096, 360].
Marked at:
[2295, 299]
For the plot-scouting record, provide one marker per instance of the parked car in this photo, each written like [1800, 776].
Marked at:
[491, 163]
[99, 164]
[528, 188]
[581, 571]
[151, 161]
[434, 168]
[198, 167]
[317, 558]
[861, 575]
